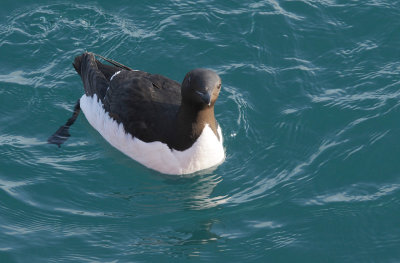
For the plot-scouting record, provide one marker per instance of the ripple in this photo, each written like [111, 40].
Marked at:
[309, 114]
[10, 187]
[266, 183]
[355, 193]
[265, 224]
[16, 77]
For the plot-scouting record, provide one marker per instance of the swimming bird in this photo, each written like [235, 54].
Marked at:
[164, 125]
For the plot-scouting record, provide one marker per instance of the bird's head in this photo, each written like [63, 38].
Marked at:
[201, 87]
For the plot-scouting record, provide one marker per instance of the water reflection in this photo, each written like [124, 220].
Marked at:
[199, 235]
[194, 238]
[197, 190]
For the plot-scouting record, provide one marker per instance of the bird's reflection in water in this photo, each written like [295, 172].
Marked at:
[197, 190]
[202, 234]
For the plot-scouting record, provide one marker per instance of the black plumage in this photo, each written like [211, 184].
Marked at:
[152, 107]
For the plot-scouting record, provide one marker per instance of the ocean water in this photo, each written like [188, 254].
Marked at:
[310, 115]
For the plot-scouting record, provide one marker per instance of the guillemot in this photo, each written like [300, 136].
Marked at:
[163, 125]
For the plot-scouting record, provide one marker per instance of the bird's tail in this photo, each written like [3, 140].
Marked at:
[78, 61]
[97, 71]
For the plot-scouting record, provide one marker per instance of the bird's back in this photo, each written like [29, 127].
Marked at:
[146, 104]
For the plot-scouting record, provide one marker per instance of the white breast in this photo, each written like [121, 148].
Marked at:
[206, 152]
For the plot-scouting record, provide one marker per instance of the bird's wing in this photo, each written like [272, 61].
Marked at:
[145, 104]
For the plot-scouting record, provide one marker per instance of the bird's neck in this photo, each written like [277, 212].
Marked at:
[190, 122]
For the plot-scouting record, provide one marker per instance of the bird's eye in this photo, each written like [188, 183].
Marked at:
[219, 86]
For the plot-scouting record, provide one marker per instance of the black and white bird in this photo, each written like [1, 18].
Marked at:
[164, 125]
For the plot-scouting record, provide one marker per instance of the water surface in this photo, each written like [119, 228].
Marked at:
[309, 111]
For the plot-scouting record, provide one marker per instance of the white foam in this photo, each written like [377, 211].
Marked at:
[206, 152]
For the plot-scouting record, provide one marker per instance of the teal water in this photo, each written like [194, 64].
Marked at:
[310, 115]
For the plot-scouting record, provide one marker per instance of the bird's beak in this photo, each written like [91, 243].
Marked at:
[205, 96]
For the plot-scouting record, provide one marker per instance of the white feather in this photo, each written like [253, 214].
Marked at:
[115, 74]
[206, 152]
